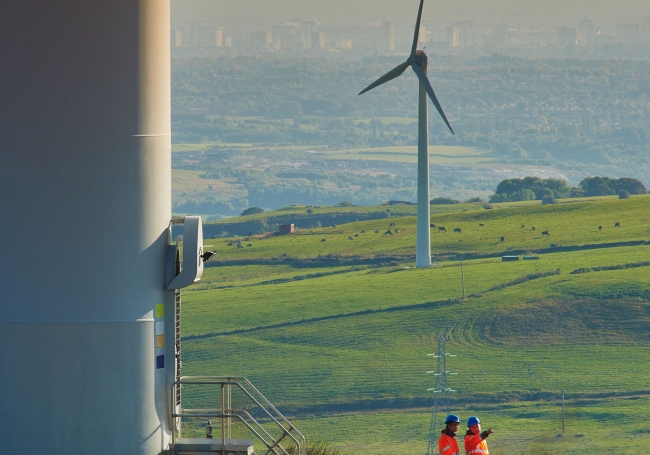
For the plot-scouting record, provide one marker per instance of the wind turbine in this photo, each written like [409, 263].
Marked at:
[418, 62]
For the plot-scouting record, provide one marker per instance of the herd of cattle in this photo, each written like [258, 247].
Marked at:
[458, 230]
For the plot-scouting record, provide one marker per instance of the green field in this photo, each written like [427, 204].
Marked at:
[443, 155]
[343, 348]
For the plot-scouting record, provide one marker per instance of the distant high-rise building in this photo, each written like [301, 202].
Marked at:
[215, 38]
[567, 36]
[287, 42]
[344, 44]
[629, 34]
[454, 41]
[467, 35]
[308, 30]
[422, 37]
[318, 40]
[262, 40]
[176, 39]
[501, 35]
[585, 32]
[388, 36]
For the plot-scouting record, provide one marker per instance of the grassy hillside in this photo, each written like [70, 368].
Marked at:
[344, 349]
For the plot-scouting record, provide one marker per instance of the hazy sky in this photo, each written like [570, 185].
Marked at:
[346, 12]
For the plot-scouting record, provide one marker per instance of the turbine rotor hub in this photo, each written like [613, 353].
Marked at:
[420, 58]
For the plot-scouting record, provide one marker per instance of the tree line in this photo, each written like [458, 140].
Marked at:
[535, 188]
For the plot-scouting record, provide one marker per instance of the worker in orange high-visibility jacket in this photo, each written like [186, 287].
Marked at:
[475, 439]
[447, 444]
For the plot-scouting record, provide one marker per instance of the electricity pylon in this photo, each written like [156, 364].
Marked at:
[441, 392]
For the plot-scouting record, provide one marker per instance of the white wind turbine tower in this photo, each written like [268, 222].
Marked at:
[418, 61]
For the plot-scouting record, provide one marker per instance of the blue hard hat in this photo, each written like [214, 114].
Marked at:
[472, 421]
[452, 418]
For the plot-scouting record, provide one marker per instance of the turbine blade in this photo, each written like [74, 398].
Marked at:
[417, 30]
[424, 80]
[392, 74]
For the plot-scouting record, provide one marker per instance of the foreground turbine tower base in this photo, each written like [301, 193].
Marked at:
[85, 166]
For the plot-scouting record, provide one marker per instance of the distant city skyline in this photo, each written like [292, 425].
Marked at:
[363, 12]
[315, 35]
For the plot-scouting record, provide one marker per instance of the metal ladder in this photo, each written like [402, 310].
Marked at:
[282, 430]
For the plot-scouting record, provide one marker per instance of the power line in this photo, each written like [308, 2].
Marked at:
[441, 392]
[530, 379]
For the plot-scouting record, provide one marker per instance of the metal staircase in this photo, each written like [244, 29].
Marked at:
[257, 415]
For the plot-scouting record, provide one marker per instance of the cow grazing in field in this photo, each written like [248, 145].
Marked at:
[377, 231]
[503, 239]
[458, 230]
[356, 235]
[239, 245]
[391, 225]
[600, 228]
[534, 228]
[397, 231]
[350, 238]
[481, 224]
[617, 224]
[432, 226]
[323, 240]
[389, 232]
[442, 229]
[545, 233]
[523, 226]
[250, 244]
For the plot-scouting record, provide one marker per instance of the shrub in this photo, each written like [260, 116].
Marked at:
[344, 204]
[548, 200]
[316, 448]
[623, 194]
[252, 211]
[443, 201]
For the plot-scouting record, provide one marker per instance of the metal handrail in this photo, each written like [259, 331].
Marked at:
[226, 413]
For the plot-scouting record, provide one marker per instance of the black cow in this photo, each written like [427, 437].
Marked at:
[545, 233]
[458, 230]
[617, 224]
[481, 224]
[600, 228]
[503, 239]
[442, 228]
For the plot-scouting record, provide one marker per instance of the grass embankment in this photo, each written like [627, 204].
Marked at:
[344, 350]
